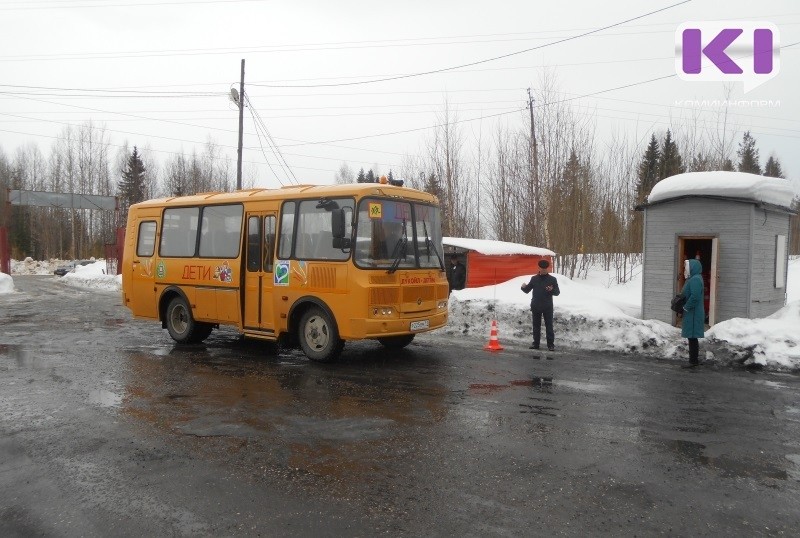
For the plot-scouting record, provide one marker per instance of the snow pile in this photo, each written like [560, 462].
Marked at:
[486, 246]
[595, 314]
[29, 266]
[587, 316]
[93, 276]
[771, 341]
[752, 187]
[6, 283]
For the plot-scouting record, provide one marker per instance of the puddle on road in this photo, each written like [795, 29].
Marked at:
[490, 388]
[581, 386]
[278, 408]
[727, 466]
[794, 470]
[105, 398]
[487, 388]
[340, 429]
[22, 357]
[217, 427]
[536, 409]
[771, 384]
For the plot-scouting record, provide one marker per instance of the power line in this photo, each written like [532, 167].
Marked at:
[266, 159]
[375, 135]
[338, 45]
[127, 93]
[105, 4]
[173, 122]
[134, 91]
[564, 40]
[275, 148]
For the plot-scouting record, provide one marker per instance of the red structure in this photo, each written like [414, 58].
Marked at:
[5, 251]
[114, 252]
[493, 262]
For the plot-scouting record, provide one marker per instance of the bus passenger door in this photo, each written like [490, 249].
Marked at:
[141, 295]
[259, 260]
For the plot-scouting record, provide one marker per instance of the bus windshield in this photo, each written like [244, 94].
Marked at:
[393, 234]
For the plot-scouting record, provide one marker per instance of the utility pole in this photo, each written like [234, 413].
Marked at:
[241, 130]
[534, 174]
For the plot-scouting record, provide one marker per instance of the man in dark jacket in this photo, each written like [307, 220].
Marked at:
[544, 286]
[456, 274]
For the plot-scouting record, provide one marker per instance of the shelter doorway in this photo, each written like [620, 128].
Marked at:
[706, 250]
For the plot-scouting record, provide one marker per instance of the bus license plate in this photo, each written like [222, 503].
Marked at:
[419, 325]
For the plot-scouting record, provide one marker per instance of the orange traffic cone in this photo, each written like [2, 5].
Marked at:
[494, 343]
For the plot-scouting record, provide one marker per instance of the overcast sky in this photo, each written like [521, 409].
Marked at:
[158, 73]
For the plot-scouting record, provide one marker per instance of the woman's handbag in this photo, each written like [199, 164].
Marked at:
[677, 303]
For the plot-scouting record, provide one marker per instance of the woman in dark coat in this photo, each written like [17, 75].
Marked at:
[694, 315]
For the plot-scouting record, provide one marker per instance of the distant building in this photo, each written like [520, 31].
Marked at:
[736, 224]
[492, 262]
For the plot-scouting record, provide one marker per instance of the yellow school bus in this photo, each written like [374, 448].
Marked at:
[317, 265]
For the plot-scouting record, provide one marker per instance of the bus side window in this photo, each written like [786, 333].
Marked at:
[221, 231]
[146, 245]
[179, 232]
[253, 244]
[287, 231]
[269, 242]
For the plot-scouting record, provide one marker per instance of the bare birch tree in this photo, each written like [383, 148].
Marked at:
[445, 153]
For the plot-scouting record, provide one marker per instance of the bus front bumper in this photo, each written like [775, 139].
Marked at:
[377, 328]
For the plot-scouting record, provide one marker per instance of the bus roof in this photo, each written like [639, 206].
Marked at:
[294, 192]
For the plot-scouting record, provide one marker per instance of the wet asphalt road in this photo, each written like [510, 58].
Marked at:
[108, 428]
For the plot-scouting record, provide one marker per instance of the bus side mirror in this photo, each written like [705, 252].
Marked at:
[337, 228]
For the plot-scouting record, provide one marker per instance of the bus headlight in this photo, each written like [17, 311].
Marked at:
[382, 311]
[442, 305]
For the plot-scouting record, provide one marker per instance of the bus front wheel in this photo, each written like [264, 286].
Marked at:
[318, 336]
[396, 342]
[181, 325]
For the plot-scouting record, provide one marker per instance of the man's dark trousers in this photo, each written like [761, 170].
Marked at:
[548, 327]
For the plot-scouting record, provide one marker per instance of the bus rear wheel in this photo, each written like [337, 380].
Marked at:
[181, 325]
[396, 342]
[318, 336]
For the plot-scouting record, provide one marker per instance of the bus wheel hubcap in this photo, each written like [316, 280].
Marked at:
[316, 333]
[179, 319]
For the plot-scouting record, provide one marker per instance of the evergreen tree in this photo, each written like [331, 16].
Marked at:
[701, 163]
[648, 170]
[670, 162]
[571, 220]
[132, 186]
[748, 155]
[370, 177]
[773, 168]
[610, 229]
[727, 166]
[433, 186]
[390, 177]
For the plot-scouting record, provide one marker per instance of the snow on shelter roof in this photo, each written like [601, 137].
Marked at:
[751, 187]
[485, 246]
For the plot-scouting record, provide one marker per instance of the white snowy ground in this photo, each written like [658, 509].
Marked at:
[590, 314]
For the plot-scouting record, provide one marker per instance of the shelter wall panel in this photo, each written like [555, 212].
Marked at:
[765, 298]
